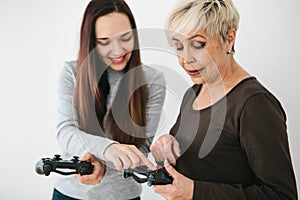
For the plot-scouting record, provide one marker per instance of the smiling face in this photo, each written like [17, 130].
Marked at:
[202, 56]
[115, 40]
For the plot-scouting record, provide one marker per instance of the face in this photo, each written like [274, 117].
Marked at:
[202, 56]
[115, 40]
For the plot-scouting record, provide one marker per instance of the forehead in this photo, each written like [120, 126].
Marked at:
[112, 24]
[198, 34]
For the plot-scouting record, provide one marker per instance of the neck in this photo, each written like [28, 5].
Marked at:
[228, 78]
[215, 90]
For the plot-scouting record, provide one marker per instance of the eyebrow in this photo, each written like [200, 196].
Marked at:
[173, 38]
[106, 38]
[196, 36]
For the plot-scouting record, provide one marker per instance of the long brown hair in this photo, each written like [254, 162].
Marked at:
[92, 87]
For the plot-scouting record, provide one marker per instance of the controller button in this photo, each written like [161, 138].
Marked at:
[57, 157]
[75, 159]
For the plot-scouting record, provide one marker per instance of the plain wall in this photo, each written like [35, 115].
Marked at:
[36, 37]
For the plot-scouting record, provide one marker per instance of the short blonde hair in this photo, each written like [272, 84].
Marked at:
[215, 17]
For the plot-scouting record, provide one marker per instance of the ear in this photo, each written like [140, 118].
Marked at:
[230, 39]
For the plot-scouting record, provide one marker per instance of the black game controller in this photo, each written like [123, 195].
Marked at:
[47, 165]
[156, 177]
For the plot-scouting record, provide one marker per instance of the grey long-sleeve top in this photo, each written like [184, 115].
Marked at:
[74, 141]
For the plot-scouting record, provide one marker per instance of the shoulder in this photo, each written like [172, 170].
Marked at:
[245, 90]
[190, 95]
[251, 92]
[153, 75]
[67, 74]
[250, 87]
[69, 67]
[156, 83]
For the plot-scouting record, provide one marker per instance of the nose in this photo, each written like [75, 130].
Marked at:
[117, 49]
[187, 56]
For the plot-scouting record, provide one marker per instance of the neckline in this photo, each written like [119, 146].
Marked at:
[197, 89]
[112, 71]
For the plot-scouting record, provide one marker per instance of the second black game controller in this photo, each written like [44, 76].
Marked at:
[58, 165]
[156, 177]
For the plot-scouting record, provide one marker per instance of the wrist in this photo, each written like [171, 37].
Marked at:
[191, 192]
[105, 156]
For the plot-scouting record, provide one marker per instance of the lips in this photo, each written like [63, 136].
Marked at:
[118, 60]
[194, 72]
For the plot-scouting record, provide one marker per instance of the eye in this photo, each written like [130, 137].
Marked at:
[127, 38]
[103, 43]
[198, 44]
[178, 45]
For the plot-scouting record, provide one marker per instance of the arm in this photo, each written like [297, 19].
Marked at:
[156, 97]
[77, 142]
[264, 140]
[70, 138]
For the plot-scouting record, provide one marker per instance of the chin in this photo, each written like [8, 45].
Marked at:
[117, 67]
[198, 80]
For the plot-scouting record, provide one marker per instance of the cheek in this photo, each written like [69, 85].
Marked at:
[102, 51]
[216, 55]
[129, 46]
[180, 60]
[204, 58]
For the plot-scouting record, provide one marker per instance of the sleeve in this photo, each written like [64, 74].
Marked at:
[154, 106]
[70, 138]
[264, 140]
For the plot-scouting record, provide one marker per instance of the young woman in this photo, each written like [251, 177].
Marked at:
[230, 136]
[109, 105]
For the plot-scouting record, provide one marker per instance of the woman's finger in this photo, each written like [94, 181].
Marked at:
[126, 162]
[143, 158]
[176, 148]
[135, 160]
[98, 171]
[168, 152]
[117, 162]
[156, 150]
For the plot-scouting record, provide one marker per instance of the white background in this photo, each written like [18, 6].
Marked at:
[37, 36]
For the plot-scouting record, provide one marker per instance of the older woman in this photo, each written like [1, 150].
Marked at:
[230, 139]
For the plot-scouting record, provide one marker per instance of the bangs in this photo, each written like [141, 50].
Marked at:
[184, 23]
[215, 18]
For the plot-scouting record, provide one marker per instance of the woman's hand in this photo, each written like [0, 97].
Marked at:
[126, 156]
[98, 171]
[166, 148]
[182, 187]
